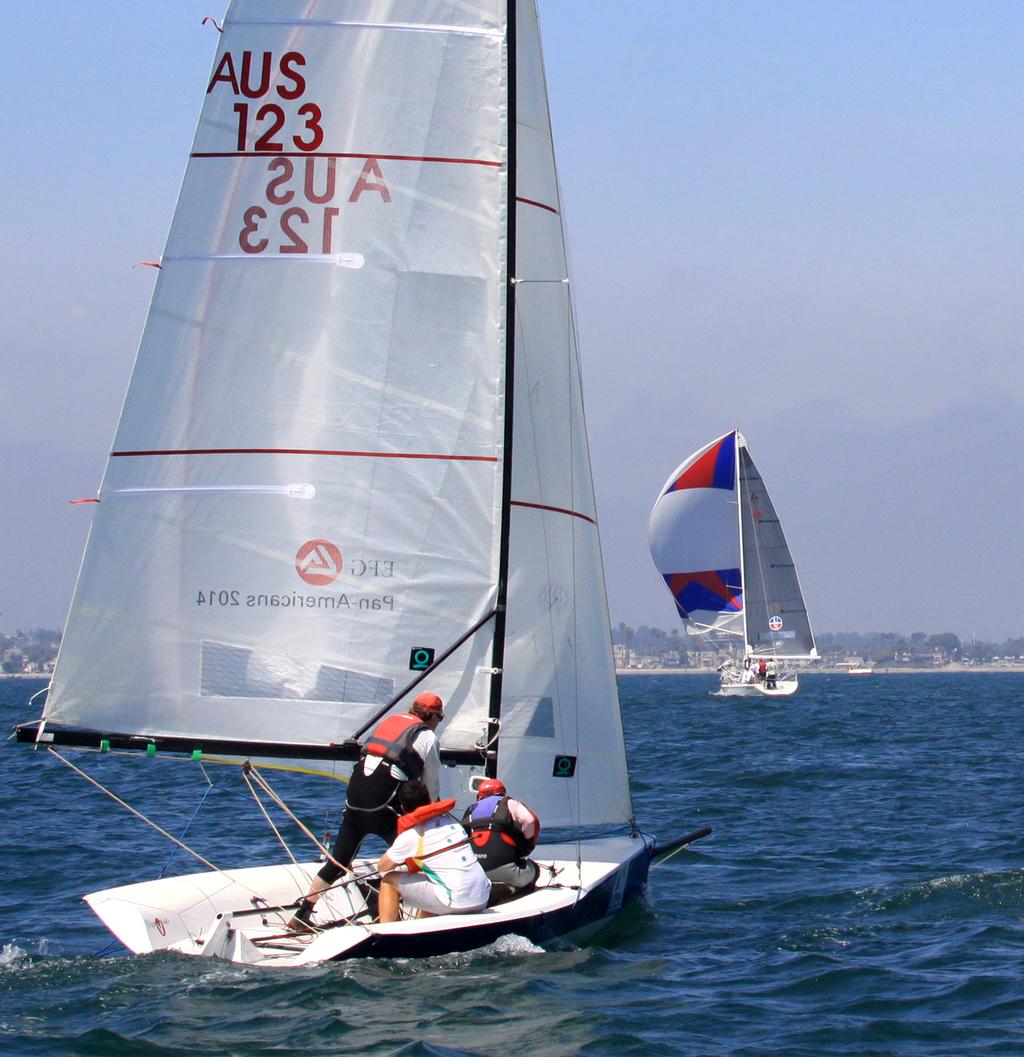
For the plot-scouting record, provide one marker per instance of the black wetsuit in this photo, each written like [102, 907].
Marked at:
[371, 807]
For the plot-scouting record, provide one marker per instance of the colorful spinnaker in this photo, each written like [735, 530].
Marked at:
[718, 542]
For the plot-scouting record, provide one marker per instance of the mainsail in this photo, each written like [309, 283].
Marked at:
[717, 540]
[776, 615]
[354, 432]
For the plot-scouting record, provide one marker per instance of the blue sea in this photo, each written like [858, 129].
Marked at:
[862, 893]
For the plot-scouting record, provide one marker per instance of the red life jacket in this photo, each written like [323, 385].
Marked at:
[393, 740]
[495, 835]
[424, 814]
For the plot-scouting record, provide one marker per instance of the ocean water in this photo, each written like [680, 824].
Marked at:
[862, 894]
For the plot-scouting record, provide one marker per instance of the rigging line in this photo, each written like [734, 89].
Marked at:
[202, 800]
[137, 814]
[266, 787]
[270, 822]
[150, 822]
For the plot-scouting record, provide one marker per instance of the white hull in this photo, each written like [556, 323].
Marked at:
[783, 688]
[241, 915]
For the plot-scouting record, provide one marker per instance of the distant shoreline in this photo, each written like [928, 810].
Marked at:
[949, 669]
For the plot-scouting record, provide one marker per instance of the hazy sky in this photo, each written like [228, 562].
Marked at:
[803, 219]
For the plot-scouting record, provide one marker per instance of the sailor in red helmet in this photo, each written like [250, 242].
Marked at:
[442, 875]
[504, 832]
[402, 747]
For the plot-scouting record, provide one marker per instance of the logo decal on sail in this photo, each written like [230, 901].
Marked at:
[775, 623]
[318, 562]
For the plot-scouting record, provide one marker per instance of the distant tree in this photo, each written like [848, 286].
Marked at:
[979, 652]
[15, 662]
[947, 642]
[36, 653]
[885, 646]
[675, 644]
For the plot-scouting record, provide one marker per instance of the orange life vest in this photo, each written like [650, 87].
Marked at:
[393, 740]
[424, 814]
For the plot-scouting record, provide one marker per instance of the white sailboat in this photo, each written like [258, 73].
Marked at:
[352, 460]
[717, 540]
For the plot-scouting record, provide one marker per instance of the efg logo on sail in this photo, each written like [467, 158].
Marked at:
[318, 562]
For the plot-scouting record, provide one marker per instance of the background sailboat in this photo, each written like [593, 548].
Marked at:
[717, 540]
[353, 457]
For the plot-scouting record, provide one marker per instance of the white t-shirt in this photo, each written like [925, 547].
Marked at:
[425, 746]
[459, 880]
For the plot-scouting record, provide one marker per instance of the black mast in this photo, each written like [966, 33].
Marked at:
[498, 649]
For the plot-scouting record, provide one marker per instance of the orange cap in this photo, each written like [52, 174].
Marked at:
[430, 702]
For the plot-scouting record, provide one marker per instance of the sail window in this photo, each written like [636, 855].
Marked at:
[238, 671]
[528, 717]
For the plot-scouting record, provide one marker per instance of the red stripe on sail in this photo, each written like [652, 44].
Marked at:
[554, 509]
[539, 205]
[341, 154]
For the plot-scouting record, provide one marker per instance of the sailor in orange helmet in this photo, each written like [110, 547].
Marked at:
[504, 832]
[442, 874]
[401, 747]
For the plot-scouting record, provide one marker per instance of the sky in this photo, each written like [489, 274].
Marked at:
[800, 219]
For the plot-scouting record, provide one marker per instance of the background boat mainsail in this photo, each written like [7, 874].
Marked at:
[776, 615]
[307, 488]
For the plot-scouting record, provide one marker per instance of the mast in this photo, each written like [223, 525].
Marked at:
[739, 529]
[498, 649]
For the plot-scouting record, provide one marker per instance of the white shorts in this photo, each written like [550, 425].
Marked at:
[420, 892]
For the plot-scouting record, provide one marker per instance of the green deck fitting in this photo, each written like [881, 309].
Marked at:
[197, 755]
[150, 749]
[104, 745]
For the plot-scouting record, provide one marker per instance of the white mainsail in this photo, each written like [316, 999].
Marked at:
[310, 494]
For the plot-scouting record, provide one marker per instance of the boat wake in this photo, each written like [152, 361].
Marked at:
[12, 957]
[511, 946]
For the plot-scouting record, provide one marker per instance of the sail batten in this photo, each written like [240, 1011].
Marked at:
[401, 27]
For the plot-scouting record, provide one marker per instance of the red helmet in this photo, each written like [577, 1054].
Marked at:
[491, 787]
